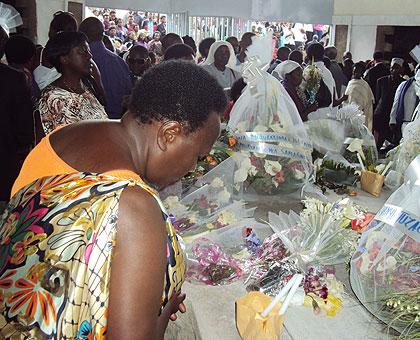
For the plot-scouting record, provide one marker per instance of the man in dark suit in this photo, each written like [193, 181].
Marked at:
[16, 123]
[378, 71]
[384, 98]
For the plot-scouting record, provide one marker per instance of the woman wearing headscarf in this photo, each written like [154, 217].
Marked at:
[220, 64]
[87, 248]
[67, 100]
[290, 74]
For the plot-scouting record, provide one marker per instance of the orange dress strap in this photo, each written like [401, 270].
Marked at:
[43, 161]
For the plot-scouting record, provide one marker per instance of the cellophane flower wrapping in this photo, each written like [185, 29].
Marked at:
[219, 258]
[326, 135]
[312, 76]
[408, 149]
[274, 150]
[385, 269]
[318, 235]
[358, 136]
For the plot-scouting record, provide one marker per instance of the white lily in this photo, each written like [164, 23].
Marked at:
[389, 265]
[272, 167]
[356, 146]
[227, 217]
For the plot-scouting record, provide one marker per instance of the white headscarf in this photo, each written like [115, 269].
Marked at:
[285, 67]
[397, 61]
[214, 47]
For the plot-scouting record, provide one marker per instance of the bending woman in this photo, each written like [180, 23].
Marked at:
[87, 249]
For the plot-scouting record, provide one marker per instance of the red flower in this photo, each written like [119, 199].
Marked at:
[279, 177]
[361, 225]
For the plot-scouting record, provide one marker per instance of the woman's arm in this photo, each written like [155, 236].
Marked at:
[137, 270]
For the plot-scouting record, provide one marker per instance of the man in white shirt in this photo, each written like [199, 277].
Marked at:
[405, 103]
[315, 52]
[299, 34]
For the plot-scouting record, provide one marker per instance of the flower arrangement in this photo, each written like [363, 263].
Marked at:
[312, 76]
[209, 264]
[318, 236]
[385, 272]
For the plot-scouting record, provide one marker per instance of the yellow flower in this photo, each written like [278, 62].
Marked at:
[333, 305]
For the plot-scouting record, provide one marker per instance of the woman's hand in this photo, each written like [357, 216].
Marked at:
[175, 304]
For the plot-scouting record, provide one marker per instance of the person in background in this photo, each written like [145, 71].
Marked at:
[315, 52]
[360, 93]
[336, 71]
[108, 43]
[106, 22]
[235, 43]
[20, 54]
[114, 71]
[130, 41]
[179, 51]
[149, 24]
[67, 100]
[296, 56]
[347, 65]
[170, 39]
[405, 102]
[102, 201]
[155, 45]
[315, 40]
[142, 39]
[245, 42]
[190, 42]
[153, 59]
[318, 30]
[309, 31]
[299, 35]
[289, 40]
[290, 74]
[113, 17]
[235, 93]
[204, 48]
[130, 24]
[136, 31]
[282, 55]
[16, 126]
[161, 28]
[45, 73]
[220, 63]
[121, 30]
[138, 18]
[386, 87]
[378, 70]
[138, 62]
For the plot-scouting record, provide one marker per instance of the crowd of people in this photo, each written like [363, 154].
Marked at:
[93, 129]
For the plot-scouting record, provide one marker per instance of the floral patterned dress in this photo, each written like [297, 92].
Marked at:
[59, 107]
[56, 241]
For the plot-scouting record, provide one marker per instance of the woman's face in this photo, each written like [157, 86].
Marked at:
[221, 56]
[182, 153]
[296, 77]
[79, 60]
[157, 36]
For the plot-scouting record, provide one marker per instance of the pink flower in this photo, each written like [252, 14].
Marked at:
[279, 177]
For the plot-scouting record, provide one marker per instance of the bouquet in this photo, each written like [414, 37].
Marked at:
[318, 236]
[274, 151]
[312, 76]
[385, 269]
[221, 256]
[358, 137]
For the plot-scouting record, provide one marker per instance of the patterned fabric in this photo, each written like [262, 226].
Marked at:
[56, 241]
[58, 106]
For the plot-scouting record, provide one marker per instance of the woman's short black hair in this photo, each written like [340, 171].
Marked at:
[360, 65]
[177, 90]
[61, 45]
[190, 42]
[19, 49]
[205, 45]
[178, 51]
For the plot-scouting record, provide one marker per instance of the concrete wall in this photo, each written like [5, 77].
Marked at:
[377, 7]
[44, 13]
